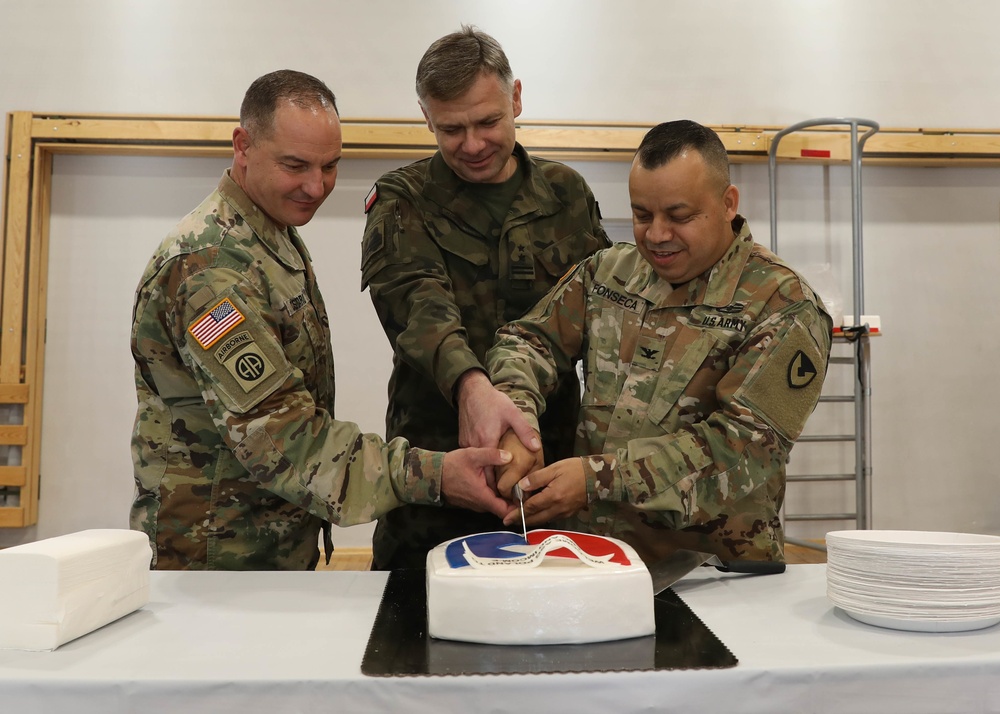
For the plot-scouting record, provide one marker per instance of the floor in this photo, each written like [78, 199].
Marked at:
[361, 558]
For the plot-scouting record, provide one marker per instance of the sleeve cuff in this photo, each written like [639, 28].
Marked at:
[604, 483]
[423, 478]
[455, 360]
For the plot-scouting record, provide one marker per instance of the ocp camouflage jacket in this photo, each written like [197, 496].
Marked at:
[693, 395]
[238, 458]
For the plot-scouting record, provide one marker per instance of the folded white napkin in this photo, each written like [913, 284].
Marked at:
[55, 590]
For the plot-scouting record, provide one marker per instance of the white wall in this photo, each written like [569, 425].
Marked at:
[931, 243]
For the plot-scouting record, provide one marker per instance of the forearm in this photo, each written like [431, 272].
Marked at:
[333, 470]
[530, 354]
[423, 324]
[691, 476]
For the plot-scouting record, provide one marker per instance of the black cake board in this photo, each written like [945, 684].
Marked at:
[400, 647]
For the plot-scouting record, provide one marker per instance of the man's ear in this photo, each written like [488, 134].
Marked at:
[731, 199]
[430, 127]
[516, 97]
[241, 142]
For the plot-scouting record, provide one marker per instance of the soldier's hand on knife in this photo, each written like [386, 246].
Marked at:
[464, 483]
[555, 491]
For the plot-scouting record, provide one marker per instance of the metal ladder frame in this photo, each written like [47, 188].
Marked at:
[858, 334]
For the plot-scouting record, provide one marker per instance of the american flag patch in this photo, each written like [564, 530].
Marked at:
[220, 319]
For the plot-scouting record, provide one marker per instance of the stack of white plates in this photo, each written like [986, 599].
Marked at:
[915, 580]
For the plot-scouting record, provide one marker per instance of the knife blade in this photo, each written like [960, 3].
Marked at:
[519, 495]
[675, 566]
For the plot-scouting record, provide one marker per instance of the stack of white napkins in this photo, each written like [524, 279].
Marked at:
[55, 590]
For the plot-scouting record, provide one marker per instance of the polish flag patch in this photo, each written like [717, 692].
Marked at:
[371, 198]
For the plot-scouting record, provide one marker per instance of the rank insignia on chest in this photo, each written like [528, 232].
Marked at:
[212, 326]
[648, 353]
[371, 198]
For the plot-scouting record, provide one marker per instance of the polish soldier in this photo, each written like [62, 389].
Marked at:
[455, 246]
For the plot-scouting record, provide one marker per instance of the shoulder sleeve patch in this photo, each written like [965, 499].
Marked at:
[378, 247]
[243, 366]
[785, 383]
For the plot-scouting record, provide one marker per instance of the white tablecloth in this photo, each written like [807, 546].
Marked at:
[293, 642]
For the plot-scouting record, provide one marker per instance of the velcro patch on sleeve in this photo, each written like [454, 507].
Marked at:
[216, 323]
[244, 366]
[786, 381]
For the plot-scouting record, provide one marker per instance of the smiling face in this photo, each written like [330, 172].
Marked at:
[290, 171]
[681, 216]
[475, 131]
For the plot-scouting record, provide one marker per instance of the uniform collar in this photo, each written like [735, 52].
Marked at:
[281, 243]
[715, 288]
[535, 197]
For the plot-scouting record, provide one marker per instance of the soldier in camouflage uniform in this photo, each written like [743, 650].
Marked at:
[703, 356]
[456, 246]
[238, 460]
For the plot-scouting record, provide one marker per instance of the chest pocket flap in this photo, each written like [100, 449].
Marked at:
[462, 245]
[677, 371]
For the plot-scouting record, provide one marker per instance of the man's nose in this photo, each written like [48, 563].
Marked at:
[312, 184]
[660, 231]
[474, 143]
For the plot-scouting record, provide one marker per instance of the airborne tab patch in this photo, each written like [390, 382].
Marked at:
[211, 327]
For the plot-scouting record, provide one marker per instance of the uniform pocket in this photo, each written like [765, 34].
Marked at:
[567, 252]
[676, 373]
[603, 373]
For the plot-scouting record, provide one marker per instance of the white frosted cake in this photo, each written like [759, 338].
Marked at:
[560, 587]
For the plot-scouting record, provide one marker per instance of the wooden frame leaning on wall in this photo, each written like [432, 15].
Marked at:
[32, 139]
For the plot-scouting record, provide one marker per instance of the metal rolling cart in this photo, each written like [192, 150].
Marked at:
[857, 334]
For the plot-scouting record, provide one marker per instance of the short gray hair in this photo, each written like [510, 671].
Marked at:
[452, 64]
[262, 97]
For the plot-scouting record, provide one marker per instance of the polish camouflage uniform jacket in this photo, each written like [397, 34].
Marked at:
[693, 395]
[238, 460]
[443, 276]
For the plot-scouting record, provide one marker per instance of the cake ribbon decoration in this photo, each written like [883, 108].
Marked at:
[536, 555]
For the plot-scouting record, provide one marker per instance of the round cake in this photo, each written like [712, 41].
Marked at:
[560, 587]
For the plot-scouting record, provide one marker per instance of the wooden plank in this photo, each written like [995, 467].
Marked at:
[13, 435]
[34, 357]
[8, 137]
[165, 150]
[13, 476]
[15, 246]
[134, 129]
[409, 138]
[13, 393]
[11, 517]
[835, 147]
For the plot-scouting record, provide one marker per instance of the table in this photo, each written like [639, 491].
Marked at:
[293, 642]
